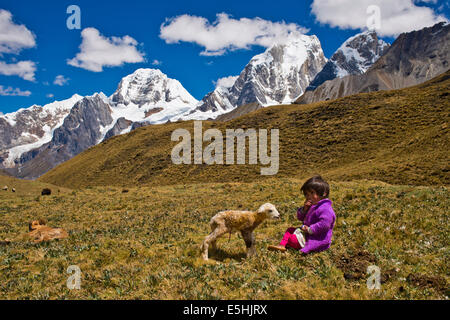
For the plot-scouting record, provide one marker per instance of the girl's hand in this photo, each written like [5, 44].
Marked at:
[305, 229]
[307, 205]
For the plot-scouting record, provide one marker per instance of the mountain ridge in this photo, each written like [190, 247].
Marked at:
[148, 96]
[413, 58]
[278, 75]
[356, 137]
[355, 56]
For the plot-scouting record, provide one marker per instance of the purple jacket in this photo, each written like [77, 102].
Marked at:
[320, 218]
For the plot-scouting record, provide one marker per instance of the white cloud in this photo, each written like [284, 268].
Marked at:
[98, 51]
[226, 82]
[49, 95]
[396, 16]
[156, 62]
[13, 37]
[60, 80]
[9, 91]
[227, 34]
[23, 69]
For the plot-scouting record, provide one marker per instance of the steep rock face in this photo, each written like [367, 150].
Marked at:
[279, 75]
[120, 127]
[81, 129]
[30, 128]
[413, 58]
[213, 104]
[354, 56]
[215, 101]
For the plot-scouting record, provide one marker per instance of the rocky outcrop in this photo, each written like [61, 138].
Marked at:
[81, 129]
[119, 127]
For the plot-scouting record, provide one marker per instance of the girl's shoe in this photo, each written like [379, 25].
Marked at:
[277, 248]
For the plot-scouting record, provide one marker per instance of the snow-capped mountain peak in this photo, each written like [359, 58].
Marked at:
[278, 75]
[289, 54]
[42, 111]
[150, 86]
[30, 128]
[355, 56]
[358, 53]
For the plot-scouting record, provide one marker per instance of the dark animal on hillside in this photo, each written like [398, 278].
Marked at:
[46, 192]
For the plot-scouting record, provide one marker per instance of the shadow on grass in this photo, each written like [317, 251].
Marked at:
[220, 255]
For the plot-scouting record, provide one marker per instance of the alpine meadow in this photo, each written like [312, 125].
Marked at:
[181, 151]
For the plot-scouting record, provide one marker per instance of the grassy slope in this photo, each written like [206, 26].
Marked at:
[145, 244]
[25, 188]
[394, 136]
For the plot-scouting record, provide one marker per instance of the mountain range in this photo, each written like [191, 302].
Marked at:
[413, 58]
[354, 56]
[36, 139]
[397, 136]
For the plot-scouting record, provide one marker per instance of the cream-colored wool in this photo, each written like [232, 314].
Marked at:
[244, 221]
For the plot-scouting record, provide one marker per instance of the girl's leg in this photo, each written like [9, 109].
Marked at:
[286, 238]
[293, 242]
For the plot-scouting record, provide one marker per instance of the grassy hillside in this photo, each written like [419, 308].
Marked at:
[400, 137]
[25, 189]
[144, 244]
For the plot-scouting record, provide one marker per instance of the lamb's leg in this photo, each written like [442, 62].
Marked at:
[249, 239]
[213, 242]
[211, 238]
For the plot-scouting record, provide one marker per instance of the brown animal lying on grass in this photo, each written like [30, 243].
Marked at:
[243, 221]
[40, 232]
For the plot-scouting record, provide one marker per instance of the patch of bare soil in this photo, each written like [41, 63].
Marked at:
[426, 281]
[354, 266]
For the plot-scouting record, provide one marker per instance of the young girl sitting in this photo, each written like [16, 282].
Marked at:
[318, 220]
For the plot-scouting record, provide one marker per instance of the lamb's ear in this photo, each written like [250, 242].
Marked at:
[262, 208]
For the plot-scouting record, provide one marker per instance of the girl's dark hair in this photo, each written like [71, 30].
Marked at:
[318, 185]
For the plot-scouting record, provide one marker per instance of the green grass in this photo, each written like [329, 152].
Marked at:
[144, 244]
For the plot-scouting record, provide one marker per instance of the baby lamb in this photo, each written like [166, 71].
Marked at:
[243, 221]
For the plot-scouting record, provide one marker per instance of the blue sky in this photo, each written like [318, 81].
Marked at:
[55, 44]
